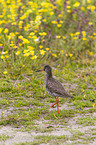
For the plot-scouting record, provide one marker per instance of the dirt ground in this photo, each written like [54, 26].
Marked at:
[17, 136]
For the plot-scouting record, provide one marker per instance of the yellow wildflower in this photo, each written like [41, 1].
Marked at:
[89, 1]
[27, 54]
[84, 33]
[92, 8]
[90, 23]
[40, 46]
[47, 49]
[75, 38]
[2, 57]
[82, 8]
[51, 13]
[20, 37]
[32, 33]
[5, 52]
[59, 25]
[91, 36]
[16, 33]
[63, 37]
[25, 51]
[34, 57]
[94, 33]
[71, 34]
[6, 31]
[44, 20]
[1, 44]
[77, 33]
[70, 54]
[15, 46]
[30, 48]
[5, 72]
[62, 51]
[89, 7]
[18, 52]
[25, 40]
[60, 15]
[9, 37]
[29, 36]
[20, 44]
[69, 11]
[23, 65]
[68, 2]
[43, 33]
[43, 40]
[53, 54]
[6, 56]
[54, 22]
[32, 52]
[12, 44]
[84, 38]
[77, 4]
[91, 53]
[58, 36]
[42, 52]
[34, 37]
[68, 7]
[61, 21]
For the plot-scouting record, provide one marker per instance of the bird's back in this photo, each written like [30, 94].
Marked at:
[55, 88]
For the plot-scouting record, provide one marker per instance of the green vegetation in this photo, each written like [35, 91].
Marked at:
[85, 121]
[4, 137]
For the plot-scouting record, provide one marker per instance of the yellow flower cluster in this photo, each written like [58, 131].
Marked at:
[4, 54]
[26, 28]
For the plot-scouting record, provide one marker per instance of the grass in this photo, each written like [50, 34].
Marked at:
[85, 121]
[4, 137]
[28, 98]
[46, 139]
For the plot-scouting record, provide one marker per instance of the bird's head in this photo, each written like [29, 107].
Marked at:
[47, 69]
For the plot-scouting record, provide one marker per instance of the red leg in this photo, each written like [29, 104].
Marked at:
[57, 105]
[57, 102]
[53, 104]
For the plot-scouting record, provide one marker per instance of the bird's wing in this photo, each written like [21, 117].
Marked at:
[55, 86]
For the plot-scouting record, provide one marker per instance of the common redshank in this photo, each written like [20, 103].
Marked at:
[54, 87]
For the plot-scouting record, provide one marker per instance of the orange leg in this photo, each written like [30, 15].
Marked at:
[57, 102]
[53, 104]
[57, 105]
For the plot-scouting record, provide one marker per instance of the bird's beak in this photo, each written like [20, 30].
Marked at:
[39, 70]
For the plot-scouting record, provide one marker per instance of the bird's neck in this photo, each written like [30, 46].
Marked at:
[49, 75]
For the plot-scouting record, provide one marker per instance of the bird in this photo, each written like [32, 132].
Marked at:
[54, 87]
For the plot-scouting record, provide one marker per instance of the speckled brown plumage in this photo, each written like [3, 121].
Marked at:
[54, 87]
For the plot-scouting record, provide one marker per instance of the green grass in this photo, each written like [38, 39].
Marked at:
[85, 121]
[46, 139]
[29, 100]
[4, 137]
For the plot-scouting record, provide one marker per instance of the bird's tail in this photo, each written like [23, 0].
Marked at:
[68, 95]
